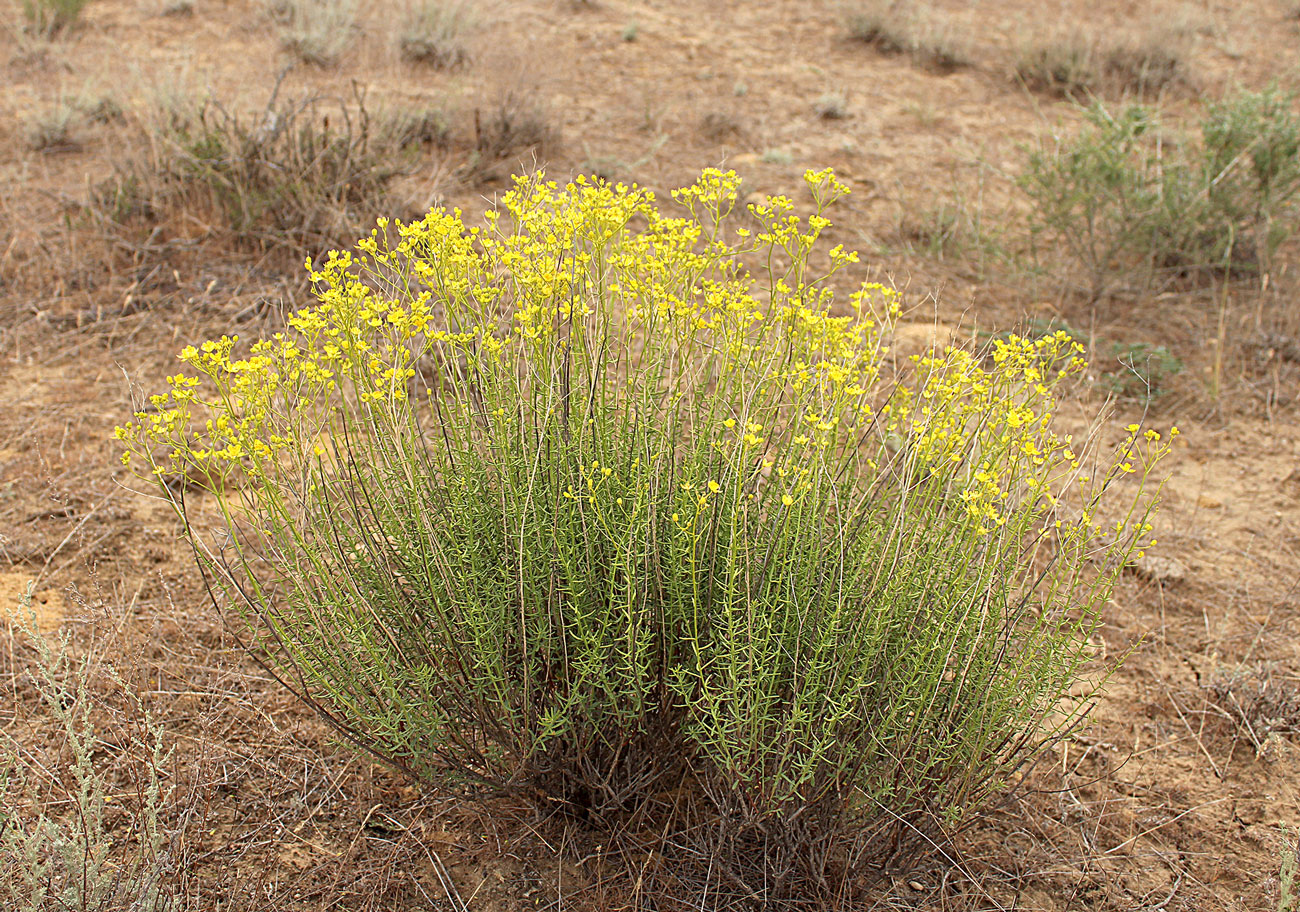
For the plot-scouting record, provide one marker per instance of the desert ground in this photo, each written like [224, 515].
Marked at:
[1184, 791]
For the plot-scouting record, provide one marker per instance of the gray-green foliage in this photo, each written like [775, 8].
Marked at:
[1130, 200]
[59, 850]
[1251, 165]
[435, 32]
[48, 17]
[1140, 371]
[293, 176]
[316, 31]
[1288, 891]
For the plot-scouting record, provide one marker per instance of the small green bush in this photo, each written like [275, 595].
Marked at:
[574, 505]
[1125, 199]
[1141, 371]
[1251, 164]
[49, 17]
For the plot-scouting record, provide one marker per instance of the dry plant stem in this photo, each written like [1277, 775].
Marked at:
[1220, 345]
[57, 846]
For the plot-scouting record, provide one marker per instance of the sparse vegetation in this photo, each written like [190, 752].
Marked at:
[1261, 704]
[1066, 67]
[293, 177]
[1140, 371]
[515, 127]
[56, 129]
[1128, 200]
[1288, 899]
[50, 17]
[719, 126]
[435, 32]
[954, 230]
[102, 110]
[62, 846]
[1079, 65]
[908, 27]
[315, 31]
[831, 106]
[882, 23]
[1148, 64]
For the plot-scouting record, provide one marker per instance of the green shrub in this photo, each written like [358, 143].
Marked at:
[576, 506]
[1125, 199]
[49, 17]
[1142, 371]
[1251, 164]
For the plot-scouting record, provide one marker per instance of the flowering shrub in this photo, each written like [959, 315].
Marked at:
[577, 505]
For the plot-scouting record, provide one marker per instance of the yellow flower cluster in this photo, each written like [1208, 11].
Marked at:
[525, 322]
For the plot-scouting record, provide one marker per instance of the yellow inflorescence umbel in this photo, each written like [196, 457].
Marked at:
[511, 301]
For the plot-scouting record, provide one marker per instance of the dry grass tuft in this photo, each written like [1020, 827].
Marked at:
[514, 131]
[925, 34]
[55, 129]
[434, 32]
[91, 817]
[1076, 65]
[298, 176]
[315, 31]
[719, 126]
[1260, 704]
[831, 106]
[883, 24]
[1155, 61]
[1065, 67]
